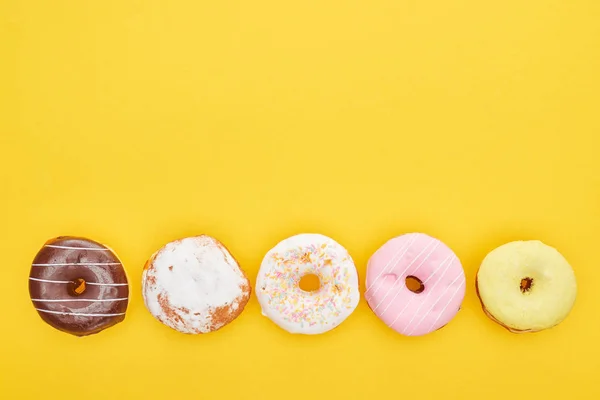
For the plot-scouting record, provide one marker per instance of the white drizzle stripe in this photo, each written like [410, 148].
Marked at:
[432, 275]
[447, 304]
[413, 297]
[404, 246]
[437, 243]
[54, 246]
[392, 260]
[419, 266]
[73, 264]
[438, 300]
[87, 283]
[410, 265]
[428, 295]
[69, 300]
[79, 314]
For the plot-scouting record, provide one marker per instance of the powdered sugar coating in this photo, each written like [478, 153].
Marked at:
[292, 308]
[434, 264]
[194, 285]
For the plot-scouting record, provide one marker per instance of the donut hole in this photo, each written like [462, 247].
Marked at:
[526, 285]
[414, 284]
[77, 287]
[310, 283]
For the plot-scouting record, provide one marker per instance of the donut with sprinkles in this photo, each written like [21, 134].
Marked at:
[78, 286]
[308, 312]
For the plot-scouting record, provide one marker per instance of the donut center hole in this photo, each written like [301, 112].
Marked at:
[414, 284]
[310, 283]
[77, 287]
[526, 284]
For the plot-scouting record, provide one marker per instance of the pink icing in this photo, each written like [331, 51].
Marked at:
[427, 259]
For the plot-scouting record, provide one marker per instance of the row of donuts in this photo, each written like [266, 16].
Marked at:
[306, 284]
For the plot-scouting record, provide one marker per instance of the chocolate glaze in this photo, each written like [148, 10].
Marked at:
[105, 280]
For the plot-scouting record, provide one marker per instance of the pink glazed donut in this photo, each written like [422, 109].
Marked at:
[439, 277]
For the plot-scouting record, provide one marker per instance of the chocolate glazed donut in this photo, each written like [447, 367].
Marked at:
[78, 286]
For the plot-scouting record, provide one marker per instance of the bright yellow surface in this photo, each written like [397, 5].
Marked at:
[137, 122]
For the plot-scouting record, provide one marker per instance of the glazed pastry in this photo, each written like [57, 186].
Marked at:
[194, 285]
[415, 284]
[526, 286]
[78, 286]
[307, 312]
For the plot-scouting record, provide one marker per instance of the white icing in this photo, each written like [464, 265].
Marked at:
[87, 283]
[295, 310]
[54, 246]
[78, 314]
[196, 276]
[76, 299]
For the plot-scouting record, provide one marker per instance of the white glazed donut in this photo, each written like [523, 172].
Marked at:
[298, 311]
[194, 285]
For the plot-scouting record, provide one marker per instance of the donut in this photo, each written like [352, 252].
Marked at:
[194, 285]
[415, 284]
[300, 311]
[78, 286]
[526, 286]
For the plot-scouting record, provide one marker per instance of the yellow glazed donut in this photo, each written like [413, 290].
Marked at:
[526, 286]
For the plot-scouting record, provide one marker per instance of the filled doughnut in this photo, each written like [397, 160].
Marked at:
[194, 285]
[78, 286]
[307, 312]
[415, 284]
[526, 286]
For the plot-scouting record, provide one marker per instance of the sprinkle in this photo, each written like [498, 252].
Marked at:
[338, 292]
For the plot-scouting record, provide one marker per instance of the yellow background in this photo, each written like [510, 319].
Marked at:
[137, 122]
